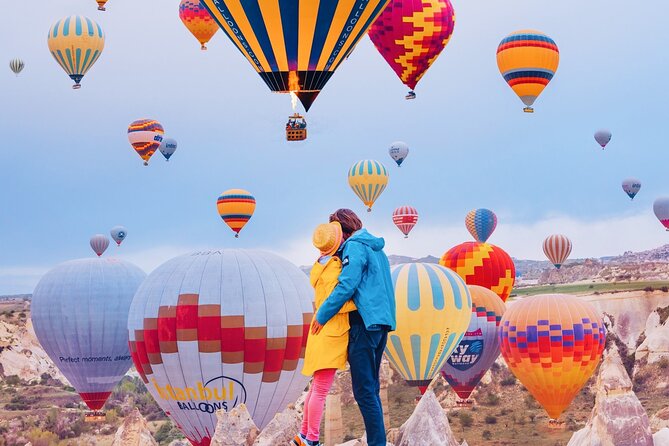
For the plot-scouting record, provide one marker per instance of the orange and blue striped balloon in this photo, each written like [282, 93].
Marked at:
[528, 60]
[368, 179]
[236, 207]
[481, 223]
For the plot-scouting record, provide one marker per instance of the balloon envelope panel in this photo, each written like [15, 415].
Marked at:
[80, 314]
[211, 330]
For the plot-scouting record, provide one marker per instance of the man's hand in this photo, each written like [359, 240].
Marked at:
[316, 327]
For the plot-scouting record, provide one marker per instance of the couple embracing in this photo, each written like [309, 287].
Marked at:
[355, 305]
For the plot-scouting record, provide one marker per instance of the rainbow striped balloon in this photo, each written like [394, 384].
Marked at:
[76, 43]
[405, 218]
[557, 248]
[527, 60]
[481, 223]
[434, 308]
[145, 136]
[198, 21]
[236, 207]
[368, 179]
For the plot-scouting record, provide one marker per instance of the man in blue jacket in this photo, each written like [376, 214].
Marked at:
[365, 278]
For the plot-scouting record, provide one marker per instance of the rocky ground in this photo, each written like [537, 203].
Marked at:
[628, 397]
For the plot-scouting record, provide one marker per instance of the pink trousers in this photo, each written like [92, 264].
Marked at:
[315, 403]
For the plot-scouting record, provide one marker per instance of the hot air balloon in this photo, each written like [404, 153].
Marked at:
[16, 65]
[101, 5]
[398, 152]
[80, 314]
[631, 186]
[99, 244]
[552, 343]
[168, 147]
[118, 233]
[295, 46]
[433, 312]
[528, 60]
[603, 137]
[482, 264]
[368, 179]
[145, 136]
[211, 330]
[661, 209]
[410, 35]
[236, 207]
[198, 21]
[557, 248]
[479, 348]
[481, 223]
[76, 43]
[405, 218]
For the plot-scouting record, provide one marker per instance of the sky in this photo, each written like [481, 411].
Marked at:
[69, 172]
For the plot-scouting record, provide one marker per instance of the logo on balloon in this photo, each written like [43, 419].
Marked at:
[467, 353]
[218, 393]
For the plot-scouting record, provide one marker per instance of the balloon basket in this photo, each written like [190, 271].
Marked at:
[101, 8]
[236, 235]
[76, 86]
[464, 403]
[95, 416]
[203, 48]
[406, 236]
[556, 424]
[146, 163]
[370, 210]
[528, 110]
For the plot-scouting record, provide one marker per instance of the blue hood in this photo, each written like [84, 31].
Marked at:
[364, 237]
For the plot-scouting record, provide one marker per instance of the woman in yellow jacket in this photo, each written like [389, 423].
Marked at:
[326, 351]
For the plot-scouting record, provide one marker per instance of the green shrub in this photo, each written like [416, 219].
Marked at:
[466, 420]
[509, 381]
[490, 419]
[492, 400]
[487, 435]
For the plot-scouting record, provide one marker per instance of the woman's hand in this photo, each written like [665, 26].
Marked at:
[316, 327]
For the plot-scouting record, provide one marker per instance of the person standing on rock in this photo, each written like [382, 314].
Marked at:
[326, 350]
[365, 278]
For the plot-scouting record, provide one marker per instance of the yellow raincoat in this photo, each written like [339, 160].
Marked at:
[327, 349]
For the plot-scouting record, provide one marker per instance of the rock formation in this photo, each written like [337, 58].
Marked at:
[282, 429]
[660, 420]
[234, 428]
[134, 432]
[618, 417]
[427, 425]
[656, 343]
[661, 437]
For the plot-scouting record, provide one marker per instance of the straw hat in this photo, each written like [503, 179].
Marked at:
[327, 238]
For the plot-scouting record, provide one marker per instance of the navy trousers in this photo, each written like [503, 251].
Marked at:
[365, 350]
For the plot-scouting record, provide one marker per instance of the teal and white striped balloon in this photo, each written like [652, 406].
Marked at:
[368, 179]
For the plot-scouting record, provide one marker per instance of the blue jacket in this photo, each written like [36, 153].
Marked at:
[365, 278]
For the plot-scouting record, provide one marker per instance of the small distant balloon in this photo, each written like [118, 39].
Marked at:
[119, 234]
[168, 147]
[16, 65]
[368, 179]
[481, 223]
[603, 137]
[198, 21]
[99, 244]
[405, 218]
[145, 136]
[236, 207]
[76, 42]
[398, 152]
[101, 5]
[631, 186]
[557, 248]
[661, 209]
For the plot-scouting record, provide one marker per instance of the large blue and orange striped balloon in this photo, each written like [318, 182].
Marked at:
[295, 45]
[434, 308]
[76, 43]
[410, 35]
[481, 223]
[236, 207]
[528, 60]
[368, 179]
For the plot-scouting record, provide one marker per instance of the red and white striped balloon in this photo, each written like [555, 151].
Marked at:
[99, 243]
[405, 218]
[557, 248]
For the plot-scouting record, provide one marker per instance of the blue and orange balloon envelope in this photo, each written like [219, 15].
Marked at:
[236, 207]
[479, 348]
[481, 223]
[528, 60]
[296, 45]
[482, 264]
[410, 35]
[552, 343]
[433, 311]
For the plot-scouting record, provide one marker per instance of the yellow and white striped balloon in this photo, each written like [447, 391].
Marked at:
[368, 179]
[76, 42]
